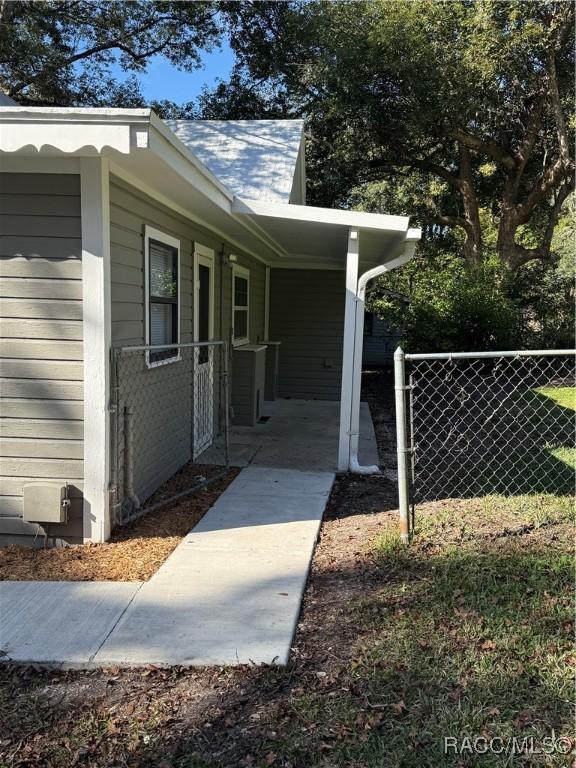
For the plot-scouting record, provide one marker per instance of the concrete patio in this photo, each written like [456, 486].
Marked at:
[295, 434]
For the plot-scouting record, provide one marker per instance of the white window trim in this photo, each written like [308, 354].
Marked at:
[239, 271]
[150, 233]
[205, 256]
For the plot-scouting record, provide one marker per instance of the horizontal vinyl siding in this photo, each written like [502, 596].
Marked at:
[41, 348]
[162, 396]
[379, 347]
[307, 317]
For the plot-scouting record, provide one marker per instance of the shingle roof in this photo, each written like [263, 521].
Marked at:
[255, 159]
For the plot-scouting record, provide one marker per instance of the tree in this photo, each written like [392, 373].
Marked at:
[469, 102]
[65, 53]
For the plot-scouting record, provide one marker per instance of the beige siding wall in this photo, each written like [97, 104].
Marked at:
[307, 316]
[162, 396]
[41, 405]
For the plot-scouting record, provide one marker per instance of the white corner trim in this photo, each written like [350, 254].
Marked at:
[151, 233]
[348, 350]
[95, 207]
[239, 271]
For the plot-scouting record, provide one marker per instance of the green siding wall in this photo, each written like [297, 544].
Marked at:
[41, 405]
[307, 316]
[165, 433]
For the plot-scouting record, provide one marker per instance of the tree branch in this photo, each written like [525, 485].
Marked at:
[553, 93]
[448, 221]
[429, 166]
[86, 53]
[549, 180]
[522, 255]
[486, 146]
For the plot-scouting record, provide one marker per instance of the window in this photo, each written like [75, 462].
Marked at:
[240, 302]
[162, 264]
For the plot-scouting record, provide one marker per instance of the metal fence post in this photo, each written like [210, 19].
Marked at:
[226, 393]
[401, 443]
[114, 408]
[129, 491]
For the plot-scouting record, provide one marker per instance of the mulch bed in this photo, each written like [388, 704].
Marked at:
[135, 551]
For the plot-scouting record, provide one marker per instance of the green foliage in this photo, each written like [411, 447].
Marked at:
[465, 104]
[63, 53]
[452, 307]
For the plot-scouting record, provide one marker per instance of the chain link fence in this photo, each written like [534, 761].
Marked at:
[169, 427]
[472, 424]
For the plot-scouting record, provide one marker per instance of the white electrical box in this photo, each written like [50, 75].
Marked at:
[45, 503]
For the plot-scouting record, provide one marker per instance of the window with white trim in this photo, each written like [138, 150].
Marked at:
[240, 305]
[162, 264]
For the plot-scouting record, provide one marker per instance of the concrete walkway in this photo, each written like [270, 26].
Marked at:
[59, 622]
[230, 592]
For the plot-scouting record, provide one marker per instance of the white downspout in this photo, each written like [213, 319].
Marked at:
[354, 465]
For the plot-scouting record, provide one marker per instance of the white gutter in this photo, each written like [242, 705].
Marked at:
[412, 238]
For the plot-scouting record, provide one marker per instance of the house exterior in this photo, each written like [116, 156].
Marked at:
[379, 341]
[119, 229]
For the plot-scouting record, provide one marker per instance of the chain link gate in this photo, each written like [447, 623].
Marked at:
[170, 409]
[472, 424]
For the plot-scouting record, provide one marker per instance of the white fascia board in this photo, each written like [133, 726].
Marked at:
[356, 219]
[85, 132]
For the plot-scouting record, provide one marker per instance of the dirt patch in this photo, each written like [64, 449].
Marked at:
[135, 551]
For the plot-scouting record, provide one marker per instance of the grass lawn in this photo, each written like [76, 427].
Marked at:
[562, 396]
[467, 633]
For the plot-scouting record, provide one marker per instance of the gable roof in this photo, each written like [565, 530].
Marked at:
[255, 159]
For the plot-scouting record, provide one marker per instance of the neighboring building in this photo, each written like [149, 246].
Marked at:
[119, 229]
[379, 342]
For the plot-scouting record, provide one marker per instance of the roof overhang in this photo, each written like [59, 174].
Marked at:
[318, 237]
[143, 151]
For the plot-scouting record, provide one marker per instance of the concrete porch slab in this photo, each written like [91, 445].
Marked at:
[230, 592]
[59, 622]
[299, 434]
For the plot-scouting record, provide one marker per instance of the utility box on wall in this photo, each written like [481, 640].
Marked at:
[248, 382]
[45, 503]
[272, 369]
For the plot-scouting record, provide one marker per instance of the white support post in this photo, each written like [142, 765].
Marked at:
[348, 350]
[95, 208]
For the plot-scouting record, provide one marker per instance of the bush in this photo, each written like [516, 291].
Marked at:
[452, 307]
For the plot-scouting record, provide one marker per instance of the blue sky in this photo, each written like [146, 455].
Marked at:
[163, 81]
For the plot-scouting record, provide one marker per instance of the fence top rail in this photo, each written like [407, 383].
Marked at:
[163, 347]
[468, 355]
